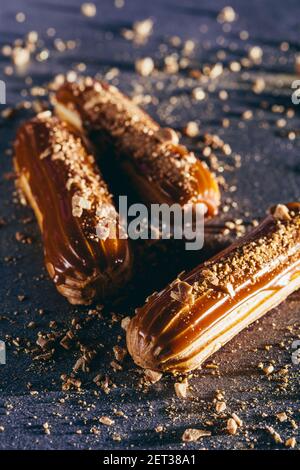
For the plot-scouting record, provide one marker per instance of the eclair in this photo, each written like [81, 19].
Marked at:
[86, 252]
[181, 326]
[157, 166]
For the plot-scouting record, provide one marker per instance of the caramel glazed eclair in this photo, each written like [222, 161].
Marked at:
[57, 174]
[161, 170]
[180, 327]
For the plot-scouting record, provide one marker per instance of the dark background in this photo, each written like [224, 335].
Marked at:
[269, 173]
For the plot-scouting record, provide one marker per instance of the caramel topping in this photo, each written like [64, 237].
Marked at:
[58, 175]
[178, 328]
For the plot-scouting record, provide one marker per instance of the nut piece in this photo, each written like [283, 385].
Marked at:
[144, 27]
[119, 353]
[227, 15]
[89, 9]
[181, 388]
[166, 134]
[281, 212]
[152, 376]
[282, 417]
[144, 66]
[193, 435]
[268, 369]
[231, 426]
[20, 56]
[106, 420]
[229, 289]
[125, 323]
[276, 436]
[255, 54]
[259, 85]
[191, 129]
[237, 419]
[291, 442]
[198, 94]
[220, 406]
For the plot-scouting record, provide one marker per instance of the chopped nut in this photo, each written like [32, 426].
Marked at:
[198, 94]
[237, 419]
[106, 420]
[235, 66]
[274, 434]
[78, 204]
[268, 369]
[255, 54]
[181, 388]
[125, 323]
[20, 17]
[223, 95]
[70, 382]
[7, 113]
[247, 114]
[215, 71]
[116, 366]
[182, 292]
[119, 353]
[88, 9]
[294, 424]
[171, 64]
[192, 435]
[159, 428]
[46, 428]
[20, 56]
[166, 134]
[211, 277]
[220, 406]
[259, 85]
[232, 426]
[230, 289]
[94, 430]
[291, 442]
[227, 15]
[143, 28]
[282, 417]
[144, 66]
[188, 47]
[152, 376]
[281, 212]
[191, 129]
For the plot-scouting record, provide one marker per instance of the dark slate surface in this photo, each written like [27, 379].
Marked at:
[269, 173]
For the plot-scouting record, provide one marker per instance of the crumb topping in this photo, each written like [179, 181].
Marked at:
[154, 149]
[247, 261]
[90, 199]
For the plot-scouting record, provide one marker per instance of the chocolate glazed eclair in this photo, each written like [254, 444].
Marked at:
[159, 168]
[180, 327]
[84, 253]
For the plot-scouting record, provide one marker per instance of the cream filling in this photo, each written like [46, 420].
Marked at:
[68, 115]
